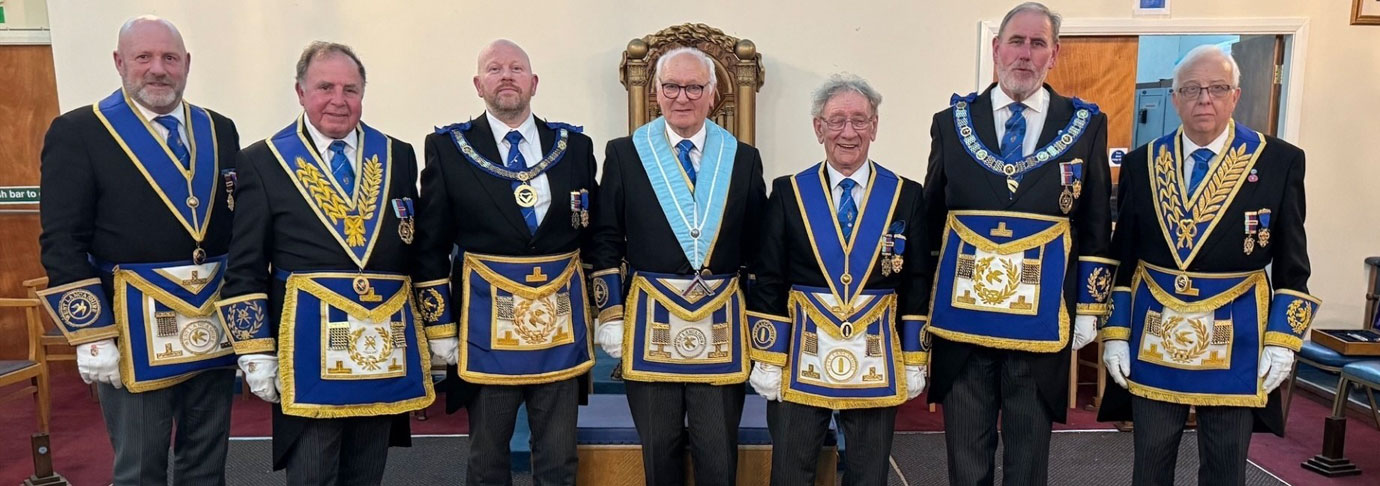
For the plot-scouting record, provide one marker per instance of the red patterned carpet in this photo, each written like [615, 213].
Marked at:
[82, 451]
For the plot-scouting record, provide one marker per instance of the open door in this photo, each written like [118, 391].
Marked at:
[1261, 58]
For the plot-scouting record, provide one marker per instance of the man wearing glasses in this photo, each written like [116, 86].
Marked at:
[1196, 321]
[840, 296]
[1018, 180]
[680, 204]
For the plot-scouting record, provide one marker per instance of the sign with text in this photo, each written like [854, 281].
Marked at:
[18, 194]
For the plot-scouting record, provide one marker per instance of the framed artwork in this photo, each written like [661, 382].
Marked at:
[1365, 12]
[1151, 7]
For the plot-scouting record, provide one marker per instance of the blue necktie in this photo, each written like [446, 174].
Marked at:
[517, 163]
[1014, 140]
[341, 169]
[848, 209]
[683, 149]
[1200, 168]
[175, 144]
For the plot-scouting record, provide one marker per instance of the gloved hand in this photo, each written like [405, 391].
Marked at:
[766, 380]
[1275, 364]
[609, 335]
[915, 381]
[1084, 331]
[1116, 354]
[261, 372]
[99, 362]
[445, 350]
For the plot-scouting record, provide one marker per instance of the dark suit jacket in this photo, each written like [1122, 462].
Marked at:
[96, 202]
[956, 181]
[276, 229]
[1138, 238]
[629, 224]
[469, 208]
[787, 257]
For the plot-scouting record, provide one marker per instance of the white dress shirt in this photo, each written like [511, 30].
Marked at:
[323, 148]
[162, 131]
[859, 176]
[1036, 108]
[530, 148]
[697, 139]
[1189, 147]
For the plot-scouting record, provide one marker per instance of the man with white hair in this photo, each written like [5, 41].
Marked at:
[840, 296]
[513, 191]
[1197, 321]
[1018, 180]
[137, 199]
[678, 321]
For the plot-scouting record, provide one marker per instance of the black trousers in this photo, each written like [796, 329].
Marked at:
[1224, 438]
[798, 433]
[141, 428]
[340, 452]
[996, 384]
[661, 412]
[551, 414]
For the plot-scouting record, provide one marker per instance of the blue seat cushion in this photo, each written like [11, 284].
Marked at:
[11, 366]
[1323, 355]
[1367, 371]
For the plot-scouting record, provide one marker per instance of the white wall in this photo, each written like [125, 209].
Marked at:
[420, 57]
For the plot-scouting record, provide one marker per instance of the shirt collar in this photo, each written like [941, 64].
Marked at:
[697, 138]
[149, 115]
[1215, 145]
[859, 176]
[323, 143]
[528, 129]
[1038, 102]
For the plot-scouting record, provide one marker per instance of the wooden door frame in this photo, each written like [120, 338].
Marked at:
[1294, 30]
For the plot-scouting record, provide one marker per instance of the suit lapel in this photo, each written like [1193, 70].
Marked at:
[986, 125]
[500, 190]
[557, 180]
[1057, 117]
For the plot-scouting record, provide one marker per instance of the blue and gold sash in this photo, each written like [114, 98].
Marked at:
[343, 354]
[694, 215]
[525, 319]
[846, 263]
[354, 219]
[1200, 347]
[1187, 220]
[188, 193]
[1083, 113]
[169, 328]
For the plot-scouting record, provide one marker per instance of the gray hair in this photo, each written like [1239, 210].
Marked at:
[1207, 53]
[1054, 19]
[321, 48]
[841, 83]
[698, 55]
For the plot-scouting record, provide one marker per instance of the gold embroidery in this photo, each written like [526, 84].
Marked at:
[1299, 315]
[1184, 345]
[1219, 188]
[984, 273]
[335, 207]
[1100, 284]
[370, 362]
[431, 304]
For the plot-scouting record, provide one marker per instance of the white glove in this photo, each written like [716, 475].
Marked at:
[1116, 354]
[261, 372]
[1275, 364]
[446, 350]
[766, 380]
[609, 335]
[915, 381]
[1084, 331]
[99, 362]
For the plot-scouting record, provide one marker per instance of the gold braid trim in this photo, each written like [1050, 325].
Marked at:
[861, 324]
[1224, 180]
[1060, 228]
[1206, 305]
[719, 379]
[441, 331]
[768, 357]
[123, 277]
[916, 358]
[1282, 340]
[614, 313]
[378, 314]
[1200, 399]
[726, 292]
[795, 396]
[1116, 333]
[478, 264]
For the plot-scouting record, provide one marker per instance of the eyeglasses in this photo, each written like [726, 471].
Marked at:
[836, 124]
[1217, 90]
[692, 91]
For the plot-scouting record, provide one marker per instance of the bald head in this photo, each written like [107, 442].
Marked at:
[153, 62]
[505, 81]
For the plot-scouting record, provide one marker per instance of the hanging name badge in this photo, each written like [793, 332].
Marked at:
[579, 209]
[1071, 177]
[230, 179]
[1264, 233]
[402, 208]
[1252, 225]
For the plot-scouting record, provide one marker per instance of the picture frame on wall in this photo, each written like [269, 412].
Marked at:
[1365, 12]
[1150, 7]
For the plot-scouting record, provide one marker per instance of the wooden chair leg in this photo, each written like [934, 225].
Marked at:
[1073, 379]
[1339, 401]
[1374, 414]
[43, 401]
[1101, 376]
[1289, 390]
